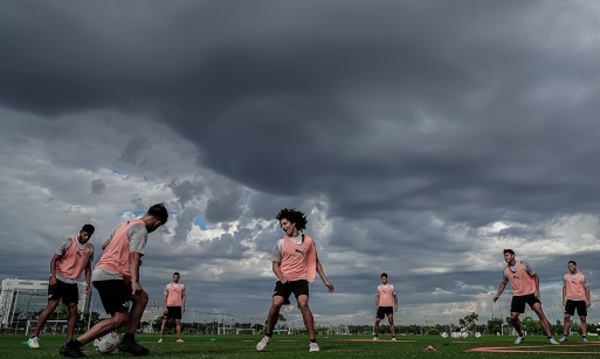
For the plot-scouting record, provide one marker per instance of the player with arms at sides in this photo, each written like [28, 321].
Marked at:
[295, 263]
[386, 303]
[117, 279]
[525, 284]
[74, 256]
[576, 295]
[174, 306]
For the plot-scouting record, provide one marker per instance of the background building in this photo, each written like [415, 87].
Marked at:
[23, 299]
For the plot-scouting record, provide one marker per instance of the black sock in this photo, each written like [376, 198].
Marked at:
[129, 336]
[313, 340]
[269, 334]
[74, 344]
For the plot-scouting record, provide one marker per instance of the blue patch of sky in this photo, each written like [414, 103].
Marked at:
[118, 172]
[200, 223]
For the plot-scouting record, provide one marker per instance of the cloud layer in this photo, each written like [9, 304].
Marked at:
[420, 139]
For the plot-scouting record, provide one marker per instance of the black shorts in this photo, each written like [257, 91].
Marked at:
[115, 295]
[172, 313]
[517, 305]
[69, 292]
[298, 287]
[576, 304]
[383, 311]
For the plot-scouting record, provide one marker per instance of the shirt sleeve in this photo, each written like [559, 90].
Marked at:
[278, 250]
[137, 238]
[92, 251]
[585, 281]
[63, 248]
[504, 277]
[166, 289]
[527, 268]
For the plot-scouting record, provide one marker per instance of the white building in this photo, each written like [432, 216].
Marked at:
[24, 299]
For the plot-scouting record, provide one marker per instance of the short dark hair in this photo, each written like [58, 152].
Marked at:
[294, 216]
[574, 263]
[176, 273]
[159, 211]
[88, 228]
[509, 251]
[384, 274]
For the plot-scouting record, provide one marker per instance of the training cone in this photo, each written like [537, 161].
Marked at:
[430, 349]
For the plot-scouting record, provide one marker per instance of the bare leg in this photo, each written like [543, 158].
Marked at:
[71, 321]
[274, 314]
[537, 308]
[376, 327]
[137, 310]
[178, 327]
[583, 319]
[103, 327]
[514, 317]
[162, 327]
[46, 313]
[307, 316]
[567, 325]
[391, 323]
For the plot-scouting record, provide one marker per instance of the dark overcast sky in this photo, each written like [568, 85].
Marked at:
[420, 137]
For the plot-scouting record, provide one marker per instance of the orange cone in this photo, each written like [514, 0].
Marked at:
[430, 349]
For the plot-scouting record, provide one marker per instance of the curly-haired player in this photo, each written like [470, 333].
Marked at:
[295, 264]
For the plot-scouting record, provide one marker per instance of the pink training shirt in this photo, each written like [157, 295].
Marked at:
[116, 256]
[175, 294]
[522, 283]
[575, 287]
[72, 264]
[386, 295]
[299, 261]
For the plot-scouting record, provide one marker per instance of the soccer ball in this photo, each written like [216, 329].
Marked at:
[107, 343]
[444, 335]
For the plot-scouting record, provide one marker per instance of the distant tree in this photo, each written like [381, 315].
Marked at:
[494, 325]
[469, 320]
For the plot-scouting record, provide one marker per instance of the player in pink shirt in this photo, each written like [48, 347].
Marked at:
[295, 263]
[174, 306]
[116, 277]
[576, 295]
[386, 304]
[74, 257]
[525, 284]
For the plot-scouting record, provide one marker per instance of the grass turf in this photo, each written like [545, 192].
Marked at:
[296, 346]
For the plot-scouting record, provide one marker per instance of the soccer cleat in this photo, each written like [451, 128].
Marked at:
[160, 340]
[375, 339]
[563, 339]
[179, 340]
[519, 340]
[33, 342]
[553, 341]
[71, 351]
[313, 347]
[133, 348]
[393, 339]
[584, 339]
[263, 343]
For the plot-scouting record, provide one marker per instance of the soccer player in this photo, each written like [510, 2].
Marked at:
[74, 256]
[295, 263]
[576, 295]
[386, 303]
[174, 305]
[117, 279]
[525, 284]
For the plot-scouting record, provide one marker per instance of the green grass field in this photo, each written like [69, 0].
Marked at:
[296, 346]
